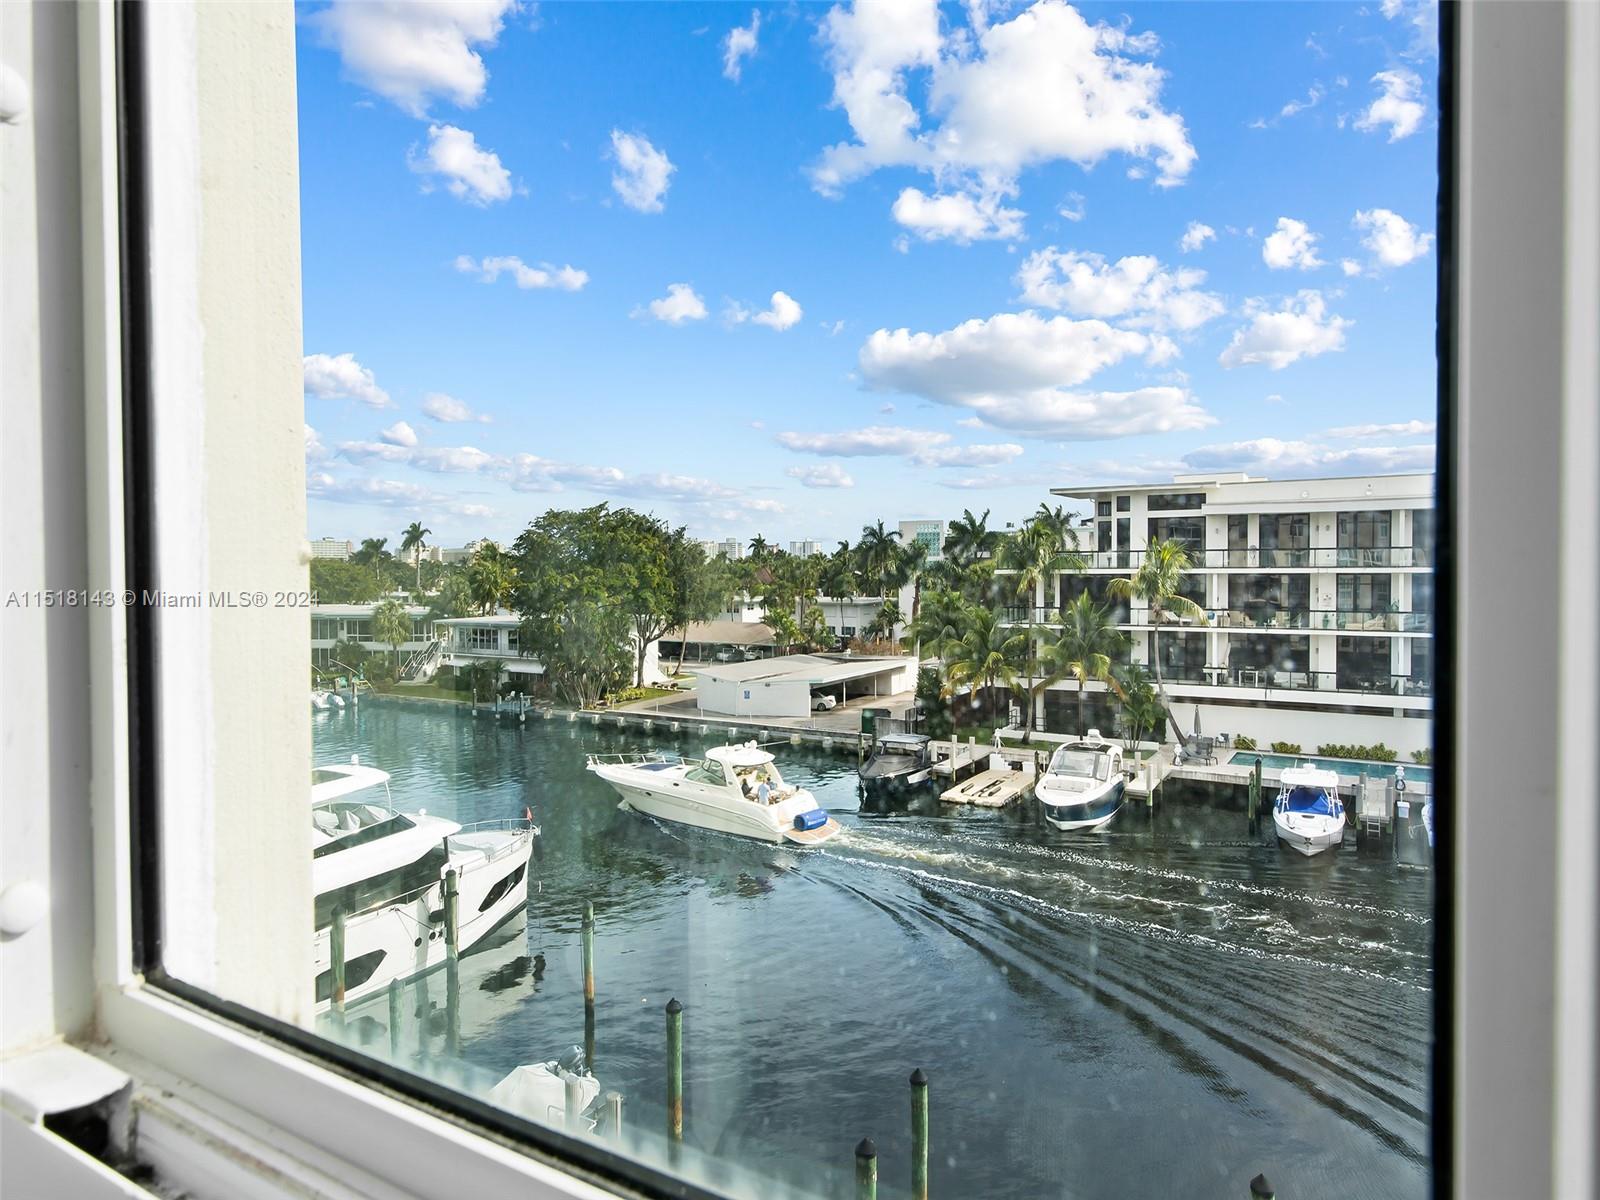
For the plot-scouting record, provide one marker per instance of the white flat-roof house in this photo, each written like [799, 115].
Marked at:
[333, 623]
[784, 686]
[1318, 595]
[469, 640]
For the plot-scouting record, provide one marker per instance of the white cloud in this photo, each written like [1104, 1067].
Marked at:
[545, 275]
[960, 217]
[1044, 86]
[337, 376]
[1301, 328]
[1136, 288]
[391, 493]
[873, 441]
[1016, 371]
[1293, 245]
[441, 407]
[400, 434]
[1196, 236]
[784, 313]
[1393, 240]
[1270, 456]
[1313, 98]
[1350, 266]
[739, 45]
[410, 53]
[1074, 207]
[315, 450]
[470, 172]
[450, 460]
[824, 475]
[1397, 105]
[643, 173]
[968, 456]
[681, 303]
[1411, 428]
[1423, 18]
[374, 452]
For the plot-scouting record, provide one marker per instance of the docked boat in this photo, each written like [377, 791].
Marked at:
[898, 760]
[385, 871]
[1308, 815]
[1083, 787]
[734, 789]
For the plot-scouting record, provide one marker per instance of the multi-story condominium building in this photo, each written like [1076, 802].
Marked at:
[731, 548]
[332, 548]
[1318, 597]
[929, 533]
[805, 549]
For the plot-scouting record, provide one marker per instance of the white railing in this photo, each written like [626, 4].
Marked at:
[633, 759]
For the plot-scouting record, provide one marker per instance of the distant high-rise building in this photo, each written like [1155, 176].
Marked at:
[928, 533]
[731, 549]
[805, 549]
[332, 548]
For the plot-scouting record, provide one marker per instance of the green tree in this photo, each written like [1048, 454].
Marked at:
[969, 538]
[702, 588]
[839, 580]
[412, 543]
[1033, 557]
[391, 625]
[491, 577]
[334, 581]
[1142, 709]
[985, 653]
[454, 597]
[885, 620]
[1158, 582]
[760, 548]
[483, 678]
[933, 705]
[875, 556]
[938, 624]
[373, 556]
[1086, 646]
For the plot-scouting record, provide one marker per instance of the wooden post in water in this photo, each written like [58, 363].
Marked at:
[1255, 798]
[866, 1170]
[452, 1007]
[674, 1070]
[1260, 1189]
[588, 955]
[452, 915]
[919, 1135]
[336, 962]
[394, 1019]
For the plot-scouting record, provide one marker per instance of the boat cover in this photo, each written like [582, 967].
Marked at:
[815, 819]
[1312, 801]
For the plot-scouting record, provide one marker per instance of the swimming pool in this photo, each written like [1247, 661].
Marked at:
[1341, 766]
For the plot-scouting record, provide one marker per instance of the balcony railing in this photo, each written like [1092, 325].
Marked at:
[1256, 617]
[1278, 679]
[1331, 558]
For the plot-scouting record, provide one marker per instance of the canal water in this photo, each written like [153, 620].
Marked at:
[1162, 1009]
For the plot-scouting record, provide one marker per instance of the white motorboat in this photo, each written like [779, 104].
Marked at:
[734, 789]
[385, 870]
[319, 699]
[1083, 786]
[1309, 816]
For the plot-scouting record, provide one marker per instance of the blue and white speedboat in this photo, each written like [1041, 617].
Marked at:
[1083, 786]
[1309, 816]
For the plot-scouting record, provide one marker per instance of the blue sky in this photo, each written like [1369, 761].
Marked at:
[792, 269]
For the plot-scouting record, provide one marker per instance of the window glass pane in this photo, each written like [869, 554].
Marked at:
[724, 497]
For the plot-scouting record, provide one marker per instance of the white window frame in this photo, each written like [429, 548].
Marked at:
[1521, 909]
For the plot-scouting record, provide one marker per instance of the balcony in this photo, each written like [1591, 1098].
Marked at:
[1272, 679]
[1327, 558]
[1319, 619]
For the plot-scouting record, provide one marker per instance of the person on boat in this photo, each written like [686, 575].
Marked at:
[746, 787]
[764, 792]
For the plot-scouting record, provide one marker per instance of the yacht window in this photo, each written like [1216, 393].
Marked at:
[710, 772]
[355, 833]
[404, 883]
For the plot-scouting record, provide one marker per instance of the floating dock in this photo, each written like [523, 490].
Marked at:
[1008, 775]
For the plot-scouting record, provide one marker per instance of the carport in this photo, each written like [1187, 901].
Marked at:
[783, 687]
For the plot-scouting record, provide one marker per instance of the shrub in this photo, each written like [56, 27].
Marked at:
[1286, 747]
[1244, 743]
[1422, 757]
[1378, 753]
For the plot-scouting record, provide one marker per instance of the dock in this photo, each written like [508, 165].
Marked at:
[1007, 773]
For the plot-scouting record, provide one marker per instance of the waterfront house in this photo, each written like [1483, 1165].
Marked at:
[335, 623]
[1318, 596]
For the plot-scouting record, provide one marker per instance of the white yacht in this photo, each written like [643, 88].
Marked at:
[734, 789]
[1083, 786]
[385, 870]
[1309, 815]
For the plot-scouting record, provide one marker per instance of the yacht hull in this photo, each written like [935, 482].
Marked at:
[1074, 811]
[1308, 836]
[685, 804]
[397, 941]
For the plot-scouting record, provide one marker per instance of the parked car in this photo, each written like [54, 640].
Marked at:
[726, 654]
[822, 702]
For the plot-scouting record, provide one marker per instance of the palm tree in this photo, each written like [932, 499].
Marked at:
[983, 653]
[492, 577]
[1158, 582]
[1084, 648]
[1141, 707]
[907, 567]
[938, 624]
[411, 542]
[885, 620]
[372, 554]
[1034, 555]
[839, 579]
[969, 538]
[759, 547]
[875, 556]
[1058, 519]
[391, 624]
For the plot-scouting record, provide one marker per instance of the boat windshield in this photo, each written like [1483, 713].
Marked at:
[708, 771]
[1085, 764]
[898, 748]
[1310, 801]
[340, 826]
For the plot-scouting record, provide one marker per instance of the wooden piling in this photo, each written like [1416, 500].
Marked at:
[452, 1007]
[1255, 799]
[675, 1070]
[336, 961]
[452, 915]
[394, 1019]
[919, 1135]
[1260, 1189]
[588, 955]
[866, 1170]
